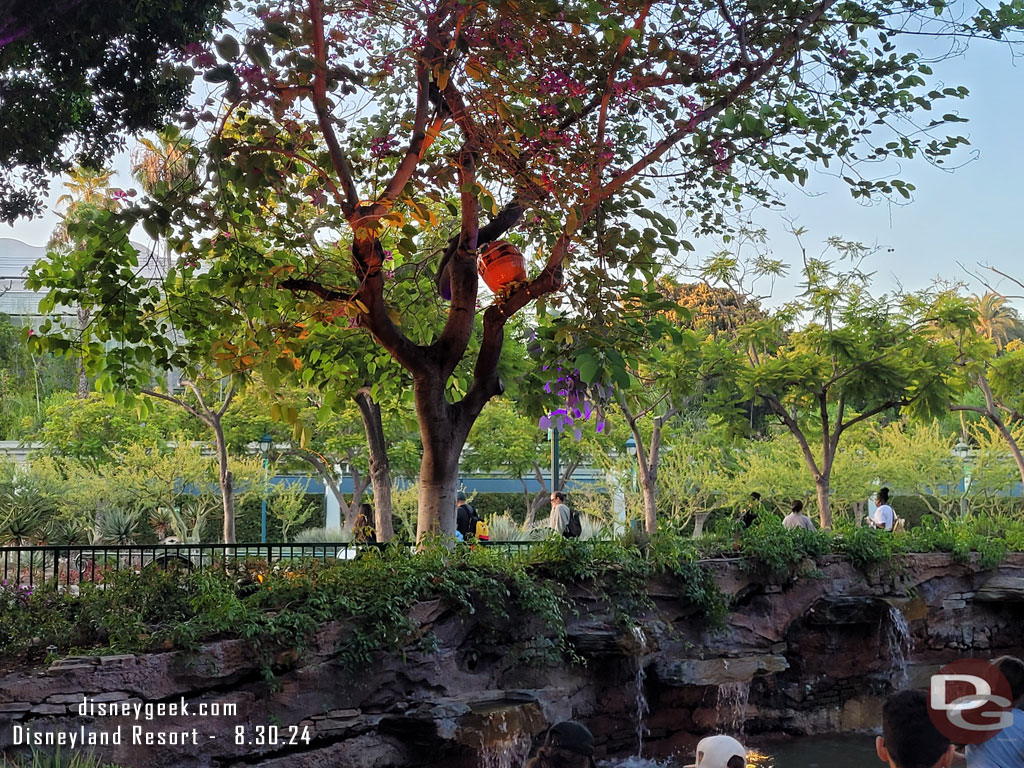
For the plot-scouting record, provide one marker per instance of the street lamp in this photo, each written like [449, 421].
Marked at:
[631, 447]
[265, 443]
[963, 451]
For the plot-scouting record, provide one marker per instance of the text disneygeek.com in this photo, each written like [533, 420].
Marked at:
[96, 734]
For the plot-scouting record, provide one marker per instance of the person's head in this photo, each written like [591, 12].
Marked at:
[720, 751]
[460, 498]
[797, 506]
[882, 497]
[1013, 670]
[366, 511]
[568, 745]
[558, 497]
[909, 738]
[755, 496]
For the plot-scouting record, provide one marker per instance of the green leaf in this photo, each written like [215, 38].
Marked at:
[588, 367]
[227, 47]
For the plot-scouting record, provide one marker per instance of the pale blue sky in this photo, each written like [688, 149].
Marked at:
[971, 215]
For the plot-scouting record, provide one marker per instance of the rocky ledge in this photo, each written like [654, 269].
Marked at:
[812, 654]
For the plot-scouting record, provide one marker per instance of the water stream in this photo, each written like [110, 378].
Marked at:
[732, 708]
[897, 636]
[642, 708]
[505, 753]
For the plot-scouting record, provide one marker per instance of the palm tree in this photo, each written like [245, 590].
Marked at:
[996, 319]
[87, 189]
[163, 163]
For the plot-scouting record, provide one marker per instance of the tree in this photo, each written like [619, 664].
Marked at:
[89, 191]
[854, 358]
[83, 74]
[503, 439]
[979, 364]
[208, 401]
[550, 123]
[997, 321]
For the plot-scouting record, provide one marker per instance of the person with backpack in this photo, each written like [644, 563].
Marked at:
[466, 517]
[563, 519]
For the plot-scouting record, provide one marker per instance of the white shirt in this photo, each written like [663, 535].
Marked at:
[559, 517]
[883, 517]
[797, 520]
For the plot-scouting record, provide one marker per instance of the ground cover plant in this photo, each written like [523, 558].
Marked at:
[525, 597]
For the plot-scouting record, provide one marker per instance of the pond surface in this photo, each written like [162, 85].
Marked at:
[811, 752]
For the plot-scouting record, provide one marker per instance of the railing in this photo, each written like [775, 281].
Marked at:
[61, 567]
[64, 566]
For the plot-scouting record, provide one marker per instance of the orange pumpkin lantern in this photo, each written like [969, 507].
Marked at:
[501, 265]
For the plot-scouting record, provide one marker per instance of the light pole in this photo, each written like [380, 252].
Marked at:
[963, 451]
[631, 450]
[265, 442]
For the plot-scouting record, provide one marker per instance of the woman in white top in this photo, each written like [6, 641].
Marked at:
[884, 517]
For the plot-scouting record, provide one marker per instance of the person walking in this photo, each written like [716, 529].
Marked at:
[568, 745]
[796, 517]
[465, 517]
[884, 517]
[559, 518]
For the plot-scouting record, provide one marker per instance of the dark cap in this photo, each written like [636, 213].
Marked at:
[460, 496]
[572, 737]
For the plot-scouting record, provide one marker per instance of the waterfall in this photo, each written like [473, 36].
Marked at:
[732, 707]
[510, 752]
[897, 635]
[641, 698]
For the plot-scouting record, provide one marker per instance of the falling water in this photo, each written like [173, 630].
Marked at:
[897, 635]
[510, 752]
[641, 698]
[732, 707]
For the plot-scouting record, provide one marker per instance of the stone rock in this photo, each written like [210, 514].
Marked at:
[718, 671]
[16, 706]
[1001, 588]
[48, 709]
[848, 610]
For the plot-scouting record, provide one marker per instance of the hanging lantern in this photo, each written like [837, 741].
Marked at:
[501, 264]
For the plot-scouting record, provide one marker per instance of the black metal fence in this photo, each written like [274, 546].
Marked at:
[61, 567]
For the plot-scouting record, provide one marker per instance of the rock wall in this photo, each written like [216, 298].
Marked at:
[811, 655]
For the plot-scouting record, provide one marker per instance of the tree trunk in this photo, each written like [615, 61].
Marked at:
[225, 479]
[83, 377]
[1014, 447]
[648, 486]
[439, 467]
[380, 465]
[822, 484]
[359, 485]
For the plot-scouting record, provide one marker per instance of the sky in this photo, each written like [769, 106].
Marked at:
[971, 216]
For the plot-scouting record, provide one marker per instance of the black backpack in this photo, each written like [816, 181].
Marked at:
[574, 527]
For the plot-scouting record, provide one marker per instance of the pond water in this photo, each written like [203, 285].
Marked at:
[812, 752]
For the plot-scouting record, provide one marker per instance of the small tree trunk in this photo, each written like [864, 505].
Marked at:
[226, 482]
[380, 465]
[1014, 447]
[648, 485]
[822, 485]
[359, 484]
[83, 377]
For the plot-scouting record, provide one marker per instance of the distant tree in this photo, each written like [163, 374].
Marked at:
[997, 320]
[834, 359]
[980, 364]
[77, 76]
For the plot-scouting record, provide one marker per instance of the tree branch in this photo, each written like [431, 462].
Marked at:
[323, 115]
